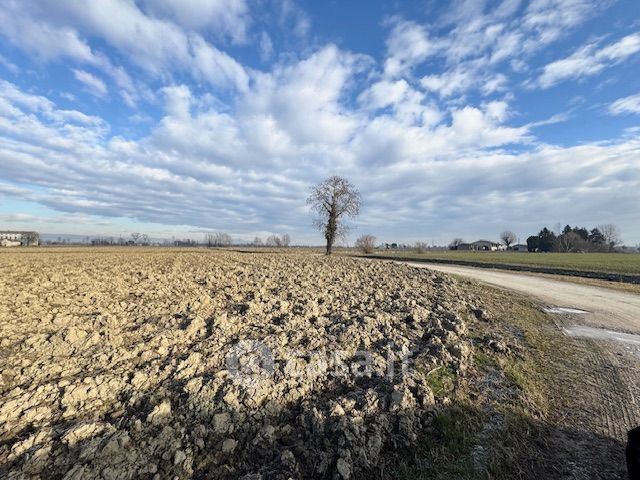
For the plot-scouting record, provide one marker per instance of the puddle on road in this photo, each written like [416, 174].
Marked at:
[599, 333]
[564, 310]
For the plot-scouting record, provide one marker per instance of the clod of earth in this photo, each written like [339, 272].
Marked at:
[116, 365]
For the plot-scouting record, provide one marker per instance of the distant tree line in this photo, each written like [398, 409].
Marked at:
[216, 239]
[222, 239]
[272, 241]
[219, 239]
[603, 238]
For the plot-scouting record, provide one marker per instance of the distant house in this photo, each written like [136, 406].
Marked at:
[519, 247]
[486, 245]
[16, 239]
[464, 246]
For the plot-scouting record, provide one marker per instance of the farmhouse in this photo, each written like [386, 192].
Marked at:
[486, 245]
[16, 239]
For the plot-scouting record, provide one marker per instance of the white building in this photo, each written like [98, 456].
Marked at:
[486, 245]
[16, 239]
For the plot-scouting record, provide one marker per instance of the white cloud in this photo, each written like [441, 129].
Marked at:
[408, 45]
[630, 104]
[93, 84]
[251, 171]
[11, 67]
[589, 60]
[266, 46]
[154, 44]
[304, 98]
[449, 83]
[177, 101]
[292, 17]
[40, 38]
[217, 67]
[409, 106]
[384, 93]
[226, 17]
[480, 37]
[15, 101]
[549, 20]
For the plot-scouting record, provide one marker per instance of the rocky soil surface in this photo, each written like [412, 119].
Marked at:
[137, 363]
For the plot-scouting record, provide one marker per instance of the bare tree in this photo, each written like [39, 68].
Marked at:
[273, 241]
[278, 241]
[218, 239]
[508, 237]
[135, 236]
[332, 200]
[224, 239]
[366, 243]
[257, 242]
[611, 234]
[144, 239]
[209, 239]
[455, 243]
[421, 247]
[570, 242]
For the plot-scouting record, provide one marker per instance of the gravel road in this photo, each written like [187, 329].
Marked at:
[607, 308]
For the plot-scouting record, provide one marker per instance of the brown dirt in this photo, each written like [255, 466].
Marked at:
[115, 363]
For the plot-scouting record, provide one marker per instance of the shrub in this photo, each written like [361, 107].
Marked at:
[366, 243]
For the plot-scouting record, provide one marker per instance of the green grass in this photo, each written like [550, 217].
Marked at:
[626, 263]
[441, 380]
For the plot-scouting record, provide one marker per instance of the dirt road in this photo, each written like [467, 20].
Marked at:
[607, 308]
[596, 392]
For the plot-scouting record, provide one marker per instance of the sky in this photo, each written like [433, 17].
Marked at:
[454, 119]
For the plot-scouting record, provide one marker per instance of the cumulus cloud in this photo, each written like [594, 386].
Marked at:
[304, 98]
[589, 60]
[448, 83]
[408, 45]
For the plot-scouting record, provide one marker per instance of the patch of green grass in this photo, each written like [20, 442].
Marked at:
[441, 380]
[626, 263]
[458, 427]
[445, 455]
[484, 361]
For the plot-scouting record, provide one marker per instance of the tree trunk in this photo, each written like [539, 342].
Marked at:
[332, 228]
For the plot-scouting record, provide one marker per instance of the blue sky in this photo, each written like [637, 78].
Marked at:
[455, 119]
